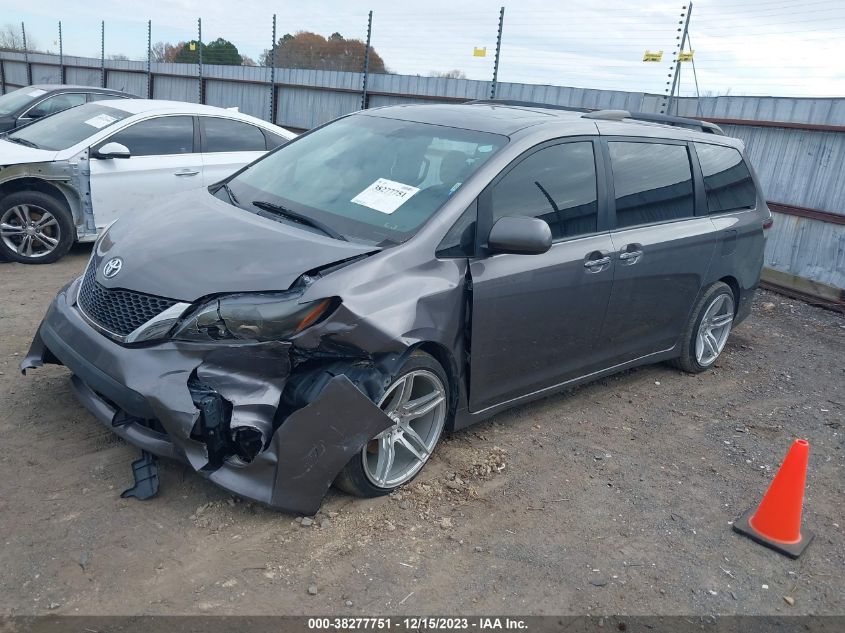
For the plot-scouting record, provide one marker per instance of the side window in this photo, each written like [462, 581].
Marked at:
[727, 179]
[652, 183]
[55, 104]
[460, 240]
[226, 135]
[157, 137]
[102, 96]
[274, 140]
[556, 184]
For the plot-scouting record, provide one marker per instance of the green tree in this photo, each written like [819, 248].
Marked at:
[219, 51]
[310, 50]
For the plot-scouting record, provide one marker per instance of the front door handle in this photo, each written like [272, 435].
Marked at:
[186, 172]
[631, 254]
[597, 261]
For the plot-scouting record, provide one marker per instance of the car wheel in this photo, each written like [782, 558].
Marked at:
[708, 329]
[418, 402]
[35, 228]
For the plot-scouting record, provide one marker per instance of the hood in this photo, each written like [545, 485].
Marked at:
[194, 244]
[15, 154]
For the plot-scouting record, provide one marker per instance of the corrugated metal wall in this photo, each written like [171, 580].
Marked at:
[799, 167]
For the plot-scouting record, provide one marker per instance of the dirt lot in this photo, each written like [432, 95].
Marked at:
[615, 498]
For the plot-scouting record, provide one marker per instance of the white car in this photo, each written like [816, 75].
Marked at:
[66, 177]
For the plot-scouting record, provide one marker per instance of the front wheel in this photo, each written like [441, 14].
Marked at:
[418, 402]
[35, 228]
[708, 329]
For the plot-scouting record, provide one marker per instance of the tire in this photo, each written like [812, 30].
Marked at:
[35, 228]
[717, 304]
[367, 474]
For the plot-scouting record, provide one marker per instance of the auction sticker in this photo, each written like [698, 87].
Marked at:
[36, 93]
[385, 195]
[100, 121]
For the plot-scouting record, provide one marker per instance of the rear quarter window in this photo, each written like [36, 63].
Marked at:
[727, 179]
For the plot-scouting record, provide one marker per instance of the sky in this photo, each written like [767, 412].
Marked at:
[754, 47]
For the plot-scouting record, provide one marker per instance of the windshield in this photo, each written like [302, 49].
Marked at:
[367, 178]
[12, 101]
[69, 127]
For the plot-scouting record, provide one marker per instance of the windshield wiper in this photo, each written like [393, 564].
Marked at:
[298, 217]
[21, 141]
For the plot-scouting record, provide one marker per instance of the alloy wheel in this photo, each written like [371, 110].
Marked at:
[416, 403]
[714, 329]
[29, 230]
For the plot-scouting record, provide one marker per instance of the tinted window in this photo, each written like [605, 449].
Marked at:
[66, 129]
[652, 183]
[158, 137]
[556, 184]
[100, 96]
[274, 140]
[225, 135]
[727, 179]
[55, 104]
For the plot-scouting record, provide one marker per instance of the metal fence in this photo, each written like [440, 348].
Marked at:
[797, 145]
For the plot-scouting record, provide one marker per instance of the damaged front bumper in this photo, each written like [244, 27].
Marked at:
[235, 413]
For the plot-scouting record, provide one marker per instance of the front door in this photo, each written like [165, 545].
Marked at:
[162, 163]
[662, 251]
[536, 319]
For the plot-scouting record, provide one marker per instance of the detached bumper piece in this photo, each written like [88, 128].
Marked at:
[145, 471]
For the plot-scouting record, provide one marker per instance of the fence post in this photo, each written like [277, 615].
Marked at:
[667, 102]
[103, 54]
[494, 83]
[273, 74]
[61, 56]
[149, 59]
[199, 59]
[26, 56]
[367, 61]
[2, 76]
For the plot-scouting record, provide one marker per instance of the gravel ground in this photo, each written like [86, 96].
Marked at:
[614, 498]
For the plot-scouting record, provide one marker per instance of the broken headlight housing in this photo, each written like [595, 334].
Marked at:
[253, 317]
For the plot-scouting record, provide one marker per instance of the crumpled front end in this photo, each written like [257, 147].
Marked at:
[237, 413]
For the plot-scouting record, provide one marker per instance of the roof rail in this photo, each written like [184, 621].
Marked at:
[665, 119]
[526, 104]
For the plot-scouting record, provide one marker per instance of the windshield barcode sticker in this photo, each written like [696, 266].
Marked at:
[36, 93]
[100, 121]
[385, 195]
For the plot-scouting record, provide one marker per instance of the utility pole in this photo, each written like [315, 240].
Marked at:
[199, 59]
[498, 51]
[367, 61]
[273, 74]
[149, 59]
[667, 103]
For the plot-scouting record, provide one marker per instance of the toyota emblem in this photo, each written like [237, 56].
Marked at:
[112, 267]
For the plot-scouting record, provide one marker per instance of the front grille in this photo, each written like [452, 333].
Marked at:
[116, 310]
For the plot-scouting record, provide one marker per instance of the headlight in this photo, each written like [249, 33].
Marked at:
[253, 317]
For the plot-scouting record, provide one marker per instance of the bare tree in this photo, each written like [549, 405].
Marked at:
[448, 74]
[11, 39]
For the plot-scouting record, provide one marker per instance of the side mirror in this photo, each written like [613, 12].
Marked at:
[112, 150]
[520, 236]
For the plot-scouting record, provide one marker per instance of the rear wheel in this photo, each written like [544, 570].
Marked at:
[418, 402]
[35, 228]
[708, 329]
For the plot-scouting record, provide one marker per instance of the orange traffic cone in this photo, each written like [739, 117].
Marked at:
[776, 522]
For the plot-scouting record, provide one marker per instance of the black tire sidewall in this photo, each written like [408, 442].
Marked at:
[352, 478]
[67, 231]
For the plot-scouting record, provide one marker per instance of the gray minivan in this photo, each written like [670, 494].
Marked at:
[326, 312]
